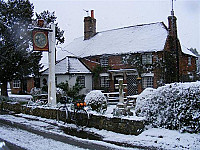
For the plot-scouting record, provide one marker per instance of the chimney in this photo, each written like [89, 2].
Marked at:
[89, 26]
[172, 25]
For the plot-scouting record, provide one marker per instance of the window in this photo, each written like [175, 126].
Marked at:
[104, 81]
[147, 59]
[81, 80]
[189, 61]
[147, 82]
[104, 61]
[16, 84]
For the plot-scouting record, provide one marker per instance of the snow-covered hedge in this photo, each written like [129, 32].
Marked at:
[96, 100]
[174, 106]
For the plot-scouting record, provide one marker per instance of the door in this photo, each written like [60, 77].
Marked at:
[132, 84]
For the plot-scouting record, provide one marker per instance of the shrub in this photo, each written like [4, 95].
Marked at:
[174, 106]
[96, 100]
[71, 92]
[4, 98]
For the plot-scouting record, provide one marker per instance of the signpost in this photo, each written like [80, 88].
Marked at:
[44, 40]
[51, 79]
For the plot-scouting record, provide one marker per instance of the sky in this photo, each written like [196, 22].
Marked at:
[112, 14]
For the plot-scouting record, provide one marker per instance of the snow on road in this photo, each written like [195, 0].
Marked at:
[32, 141]
[153, 137]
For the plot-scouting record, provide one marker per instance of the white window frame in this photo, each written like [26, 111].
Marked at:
[147, 59]
[104, 61]
[16, 84]
[81, 80]
[189, 61]
[147, 81]
[105, 81]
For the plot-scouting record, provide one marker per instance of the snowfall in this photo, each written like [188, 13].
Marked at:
[158, 138]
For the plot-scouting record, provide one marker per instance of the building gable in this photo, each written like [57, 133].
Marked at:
[68, 65]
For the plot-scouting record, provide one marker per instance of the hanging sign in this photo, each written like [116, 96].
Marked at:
[40, 40]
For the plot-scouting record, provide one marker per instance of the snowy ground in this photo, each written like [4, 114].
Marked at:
[151, 137]
[19, 97]
[157, 138]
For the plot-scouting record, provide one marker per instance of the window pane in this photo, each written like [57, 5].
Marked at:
[189, 61]
[104, 82]
[16, 84]
[143, 59]
[147, 59]
[81, 80]
[147, 82]
[104, 61]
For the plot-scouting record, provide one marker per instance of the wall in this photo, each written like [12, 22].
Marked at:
[115, 63]
[72, 80]
[29, 86]
[119, 125]
[186, 70]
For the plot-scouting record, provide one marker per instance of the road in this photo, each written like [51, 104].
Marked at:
[22, 135]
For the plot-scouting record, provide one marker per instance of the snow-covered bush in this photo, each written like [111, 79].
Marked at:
[96, 100]
[36, 91]
[174, 106]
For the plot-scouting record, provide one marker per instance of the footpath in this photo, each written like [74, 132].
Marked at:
[91, 138]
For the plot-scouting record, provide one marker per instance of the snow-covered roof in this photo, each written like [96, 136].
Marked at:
[132, 39]
[69, 65]
[185, 50]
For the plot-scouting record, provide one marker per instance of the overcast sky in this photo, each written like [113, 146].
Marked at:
[111, 14]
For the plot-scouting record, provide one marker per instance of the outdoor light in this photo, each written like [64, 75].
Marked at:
[78, 104]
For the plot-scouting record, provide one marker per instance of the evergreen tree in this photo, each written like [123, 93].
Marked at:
[49, 17]
[16, 58]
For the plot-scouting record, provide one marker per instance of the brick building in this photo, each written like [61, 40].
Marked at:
[147, 55]
[18, 87]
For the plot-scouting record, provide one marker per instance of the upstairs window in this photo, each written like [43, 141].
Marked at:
[104, 61]
[189, 61]
[81, 80]
[16, 84]
[147, 59]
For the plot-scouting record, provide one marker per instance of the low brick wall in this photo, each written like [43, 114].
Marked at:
[114, 124]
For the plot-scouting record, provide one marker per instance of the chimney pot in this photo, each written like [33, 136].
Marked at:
[40, 23]
[92, 13]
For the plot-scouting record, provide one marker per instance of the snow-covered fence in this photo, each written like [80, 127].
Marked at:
[113, 97]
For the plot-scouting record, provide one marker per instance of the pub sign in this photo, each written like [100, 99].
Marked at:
[40, 40]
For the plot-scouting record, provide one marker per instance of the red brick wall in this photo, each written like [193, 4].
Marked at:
[30, 85]
[91, 62]
[185, 68]
[14, 90]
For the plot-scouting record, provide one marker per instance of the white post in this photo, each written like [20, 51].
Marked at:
[51, 79]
